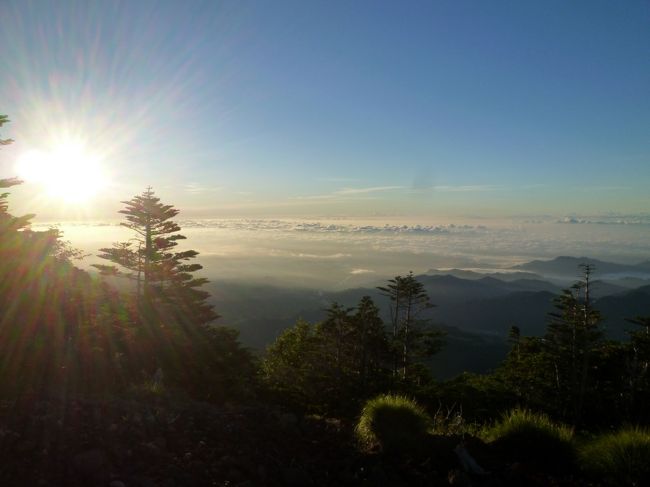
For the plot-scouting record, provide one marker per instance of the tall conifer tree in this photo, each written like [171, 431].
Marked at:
[411, 337]
[571, 338]
[164, 277]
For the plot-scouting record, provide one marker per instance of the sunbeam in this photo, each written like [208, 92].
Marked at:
[68, 172]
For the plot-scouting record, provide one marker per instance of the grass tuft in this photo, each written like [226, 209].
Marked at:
[525, 436]
[619, 458]
[394, 422]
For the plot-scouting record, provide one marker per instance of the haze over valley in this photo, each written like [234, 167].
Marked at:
[483, 276]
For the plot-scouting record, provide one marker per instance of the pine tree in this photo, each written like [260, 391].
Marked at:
[292, 368]
[336, 332]
[353, 347]
[371, 348]
[164, 278]
[60, 330]
[638, 363]
[4, 119]
[172, 312]
[572, 336]
[410, 337]
[8, 223]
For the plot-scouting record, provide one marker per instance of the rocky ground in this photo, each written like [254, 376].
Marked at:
[153, 440]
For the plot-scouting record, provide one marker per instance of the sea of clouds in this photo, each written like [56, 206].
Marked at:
[345, 253]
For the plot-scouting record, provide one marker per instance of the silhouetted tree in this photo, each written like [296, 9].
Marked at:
[335, 333]
[370, 344]
[291, 368]
[353, 348]
[60, 329]
[572, 336]
[528, 372]
[333, 365]
[8, 223]
[173, 311]
[162, 275]
[638, 365]
[411, 338]
[4, 119]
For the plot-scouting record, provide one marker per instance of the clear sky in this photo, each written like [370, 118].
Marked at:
[350, 108]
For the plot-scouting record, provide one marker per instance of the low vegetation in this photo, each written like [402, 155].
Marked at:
[620, 458]
[530, 437]
[394, 422]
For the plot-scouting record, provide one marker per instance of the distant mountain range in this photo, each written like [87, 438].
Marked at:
[562, 270]
[568, 267]
[476, 311]
[504, 275]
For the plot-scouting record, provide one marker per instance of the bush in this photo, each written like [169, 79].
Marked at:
[528, 437]
[396, 423]
[621, 458]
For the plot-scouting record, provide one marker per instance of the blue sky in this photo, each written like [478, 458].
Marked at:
[352, 108]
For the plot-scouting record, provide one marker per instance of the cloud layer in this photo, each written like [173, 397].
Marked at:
[327, 254]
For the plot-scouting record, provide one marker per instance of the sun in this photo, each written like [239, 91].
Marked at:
[68, 172]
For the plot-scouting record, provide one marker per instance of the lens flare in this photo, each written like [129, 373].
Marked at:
[68, 172]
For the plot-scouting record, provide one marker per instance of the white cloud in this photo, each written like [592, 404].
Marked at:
[375, 189]
[196, 188]
[350, 193]
[361, 271]
[607, 220]
[467, 188]
[337, 180]
[339, 251]
[331, 228]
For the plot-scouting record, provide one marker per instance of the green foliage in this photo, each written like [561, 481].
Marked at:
[353, 350]
[450, 422]
[523, 421]
[571, 371]
[164, 279]
[524, 436]
[477, 398]
[61, 331]
[219, 369]
[638, 368]
[290, 368]
[173, 317]
[58, 328]
[621, 458]
[411, 338]
[572, 336]
[331, 366]
[396, 423]
[528, 373]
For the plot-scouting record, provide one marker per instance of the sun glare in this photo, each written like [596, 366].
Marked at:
[68, 172]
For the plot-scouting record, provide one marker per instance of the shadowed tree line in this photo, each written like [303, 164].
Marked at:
[572, 372]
